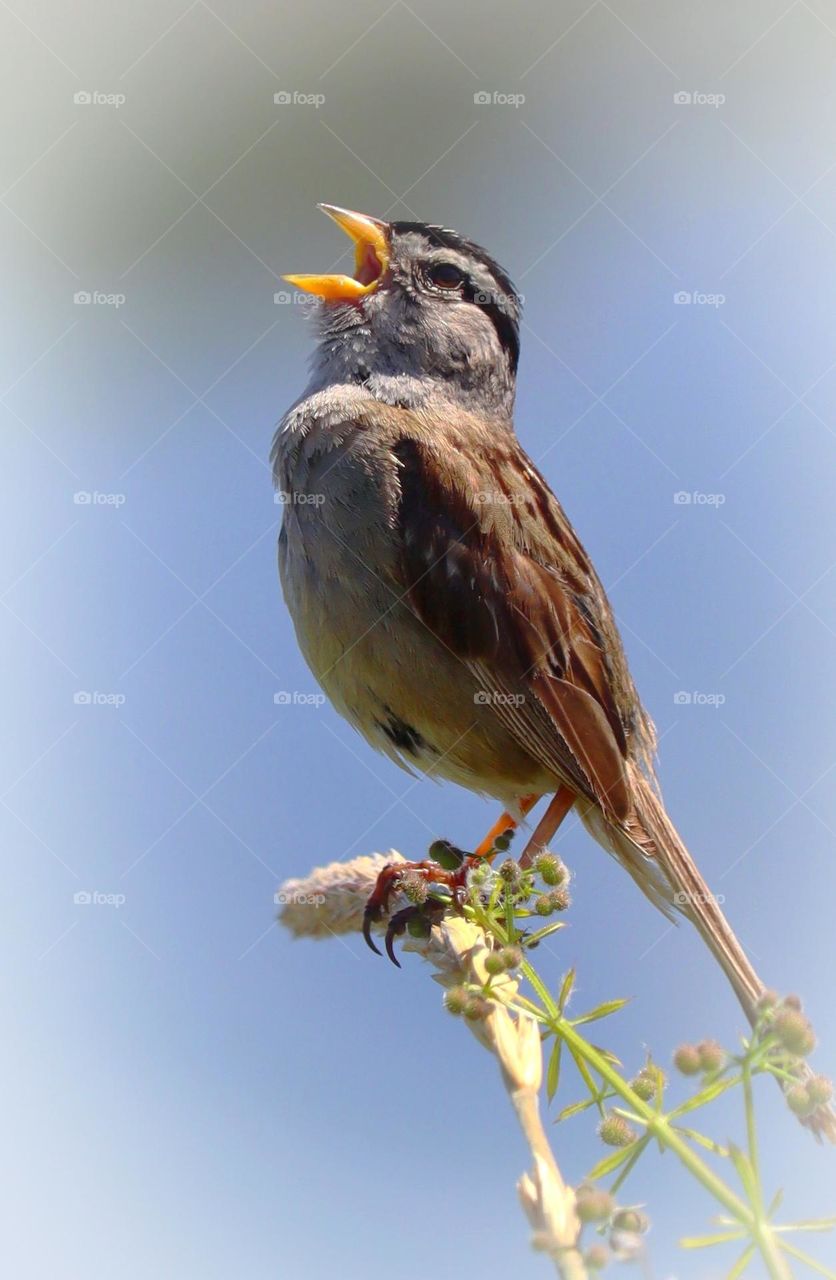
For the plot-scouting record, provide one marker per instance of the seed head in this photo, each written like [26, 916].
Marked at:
[494, 964]
[456, 1000]
[820, 1090]
[593, 1203]
[415, 887]
[712, 1055]
[794, 1031]
[615, 1131]
[550, 868]
[512, 957]
[631, 1220]
[477, 1009]
[596, 1257]
[687, 1060]
[799, 1101]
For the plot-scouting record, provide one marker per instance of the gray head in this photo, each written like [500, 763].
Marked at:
[426, 306]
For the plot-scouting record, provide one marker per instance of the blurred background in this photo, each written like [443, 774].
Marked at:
[188, 1093]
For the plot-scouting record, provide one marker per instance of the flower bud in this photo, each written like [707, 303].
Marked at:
[615, 1131]
[418, 927]
[543, 904]
[687, 1060]
[560, 899]
[794, 1031]
[593, 1204]
[767, 1001]
[792, 1002]
[494, 963]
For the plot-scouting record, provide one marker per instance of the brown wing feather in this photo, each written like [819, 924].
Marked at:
[496, 605]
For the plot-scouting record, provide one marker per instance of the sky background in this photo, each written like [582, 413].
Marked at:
[188, 1093]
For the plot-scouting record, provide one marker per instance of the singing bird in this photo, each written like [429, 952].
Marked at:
[439, 593]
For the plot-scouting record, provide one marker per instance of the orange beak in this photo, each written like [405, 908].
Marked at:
[371, 258]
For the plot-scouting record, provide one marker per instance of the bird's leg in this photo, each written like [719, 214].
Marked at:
[449, 867]
[507, 822]
[559, 805]
[388, 881]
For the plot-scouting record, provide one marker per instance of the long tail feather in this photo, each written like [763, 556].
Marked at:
[650, 848]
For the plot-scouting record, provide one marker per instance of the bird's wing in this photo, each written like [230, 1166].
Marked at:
[491, 565]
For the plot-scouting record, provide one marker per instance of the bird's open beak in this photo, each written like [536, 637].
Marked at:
[371, 257]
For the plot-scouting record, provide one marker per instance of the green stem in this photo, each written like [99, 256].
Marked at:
[659, 1126]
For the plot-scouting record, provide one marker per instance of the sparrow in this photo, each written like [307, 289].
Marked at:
[438, 591]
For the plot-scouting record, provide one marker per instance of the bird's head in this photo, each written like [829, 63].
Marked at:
[425, 306]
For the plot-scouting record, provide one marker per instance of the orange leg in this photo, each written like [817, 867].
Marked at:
[505, 823]
[560, 804]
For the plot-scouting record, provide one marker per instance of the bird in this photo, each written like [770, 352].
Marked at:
[438, 590]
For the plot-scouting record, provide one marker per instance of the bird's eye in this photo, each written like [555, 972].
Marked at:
[445, 275]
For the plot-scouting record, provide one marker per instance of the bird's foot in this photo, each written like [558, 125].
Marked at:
[446, 871]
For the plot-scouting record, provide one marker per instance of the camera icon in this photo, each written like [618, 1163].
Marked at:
[682, 499]
[682, 699]
[83, 898]
[82, 698]
[82, 98]
[82, 298]
[282, 98]
[481, 98]
[282, 298]
[682, 99]
[683, 298]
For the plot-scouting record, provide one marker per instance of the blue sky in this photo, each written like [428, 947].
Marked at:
[189, 1093]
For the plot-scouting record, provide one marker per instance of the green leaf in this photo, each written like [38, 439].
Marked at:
[705, 1242]
[742, 1263]
[708, 1094]
[576, 1108]
[745, 1172]
[626, 1170]
[811, 1262]
[553, 1071]
[776, 1203]
[610, 1163]
[566, 989]
[534, 938]
[594, 1091]
[702, 1140]
[601, 1011]
[809, 1224]
[607, 1056]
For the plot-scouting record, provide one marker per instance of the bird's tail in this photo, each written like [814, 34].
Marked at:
[650, 848]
